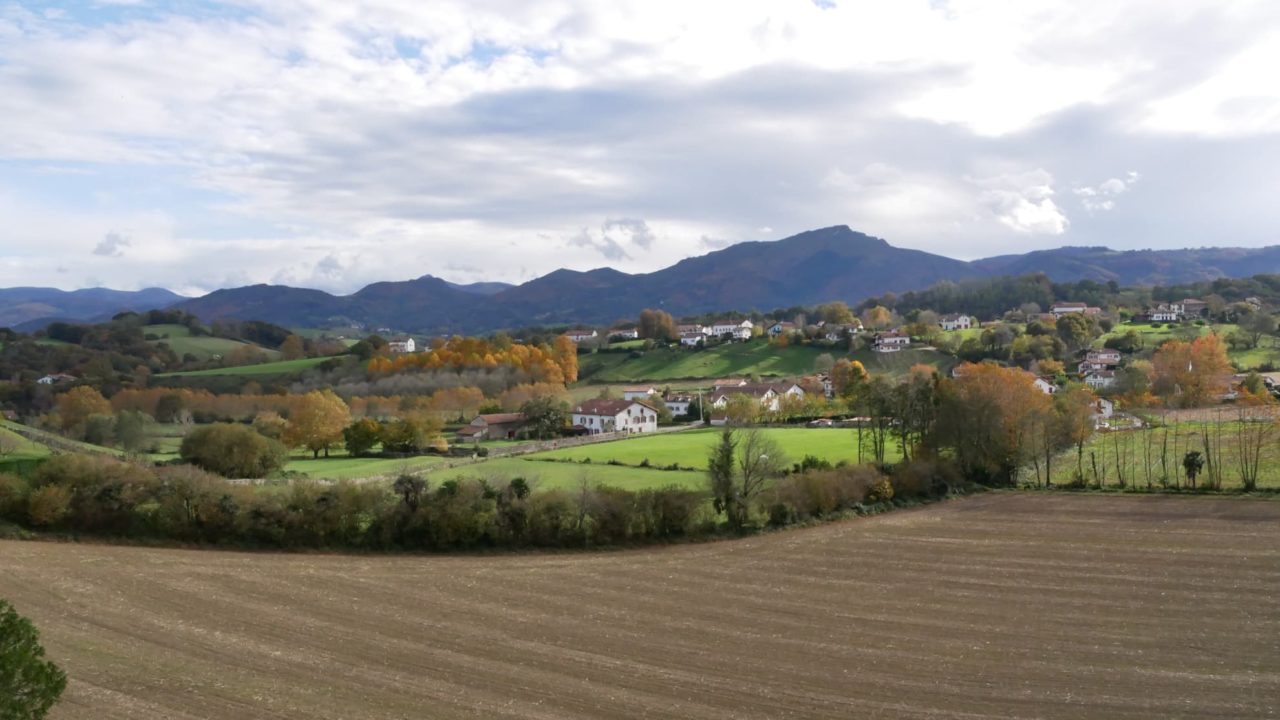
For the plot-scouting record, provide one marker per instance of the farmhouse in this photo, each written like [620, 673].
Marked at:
[678, 404]
[836, 333]
[1100, 379]
[1063, 308]
[1108, 356]
[693, 329]
[769, 394]
[692, 339]
[579, 336]
[56, 378]
[638, 392]
[404, 345]
[728, 382]
[736, 329]
[1102, 410]
[625, 333]
[891, 341]
[955, 322]
[1165, 313]
[1046, 386]
[780, 328]
[492, 426]
[604, 416]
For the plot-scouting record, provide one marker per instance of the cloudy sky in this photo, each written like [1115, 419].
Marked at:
[331, 144]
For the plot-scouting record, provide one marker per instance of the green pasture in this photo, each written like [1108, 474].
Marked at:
[280, 367]
[340, 466]
[1136, 455]
[182, 342]
[568, 475]
[691, 447]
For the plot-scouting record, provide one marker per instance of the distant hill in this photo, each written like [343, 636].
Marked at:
[834, 263]
[25, 307]
[1137, 267]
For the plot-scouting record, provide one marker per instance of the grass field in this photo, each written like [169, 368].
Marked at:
[690, 448]
[180, 339]
[756, 357]
[1135, 455]
[1011, 606]
[1268, 350]
[279, 367]
[340, 466]
[568, 475]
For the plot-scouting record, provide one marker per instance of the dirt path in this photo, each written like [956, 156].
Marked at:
[1002, 606]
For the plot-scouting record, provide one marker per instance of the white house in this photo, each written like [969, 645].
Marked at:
[1108, 356]
[678, 404]
[779, 328]
[955, 322]
[728, 382]
[769, 394]
[693, 329]
[891, 341]
[626, 333]
[1045, 386]
[736, 329]
[836, 333]
[692, 339]
[1165, 312]
[604, 416]
[56, 378]
[1063, 308]
[1102, 410]
[402, 346]
[638, 392]
[1100, 379]
[581, 335]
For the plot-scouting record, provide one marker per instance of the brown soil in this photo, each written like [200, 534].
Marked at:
[1001, 606]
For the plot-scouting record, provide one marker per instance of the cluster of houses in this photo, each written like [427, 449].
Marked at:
[693, 335]
[1174, 311]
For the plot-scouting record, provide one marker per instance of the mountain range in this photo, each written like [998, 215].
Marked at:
[834, 263]
[21, 307]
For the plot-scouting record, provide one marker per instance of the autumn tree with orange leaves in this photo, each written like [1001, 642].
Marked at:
[1191, 374]
[986, 417]
[317, 422]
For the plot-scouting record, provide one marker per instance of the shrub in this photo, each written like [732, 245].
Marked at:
[48, 505]
[233, 451]
[881, 491]
[29, 684]
[13, 498]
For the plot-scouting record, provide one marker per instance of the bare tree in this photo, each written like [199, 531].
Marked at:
[760, 460]
[1255, 430]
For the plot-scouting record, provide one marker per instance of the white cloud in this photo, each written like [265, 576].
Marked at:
[112, 245]
[1023, 202]
[1102, 197]
[333, 144]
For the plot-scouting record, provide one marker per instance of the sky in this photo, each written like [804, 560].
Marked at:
[325, 144]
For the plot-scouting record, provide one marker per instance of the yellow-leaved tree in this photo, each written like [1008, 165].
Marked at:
[316, 422]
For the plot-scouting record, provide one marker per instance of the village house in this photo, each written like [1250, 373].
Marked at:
[769, 394]
[836, 333]
[1045, 385]
[891, 341]
[638, 392]
[1191, 307]
[693, 329]
[1100, 379]
[405, 345]
[1101, 411]
[736, 329]
[606, 416]
[678, 404]
[625, 333]
[56, 378]
[780, 328]
[692, 339]
[492, 426]
[728, 382]
[579, 336]
[1063, 308]
[955, 322]
[1164, 313]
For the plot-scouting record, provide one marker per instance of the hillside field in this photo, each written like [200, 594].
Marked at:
[1006, 605]
[204, 347]
[756, 357]
[279, 367]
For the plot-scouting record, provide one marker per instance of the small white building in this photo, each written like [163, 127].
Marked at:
[1064, 308]
[638, 392]
[770, 395]
[780, 328]
[1100, 379]
[56, 378]
[406, 345]
[1107, 356]
[891, 341]
[692, 339]
[955, 322]
[581, 335]
[626, 333]
[678, 404]
[736, 329]
[605, 416]
[1045, 386]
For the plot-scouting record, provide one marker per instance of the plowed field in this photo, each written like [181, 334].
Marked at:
[1000, 606]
